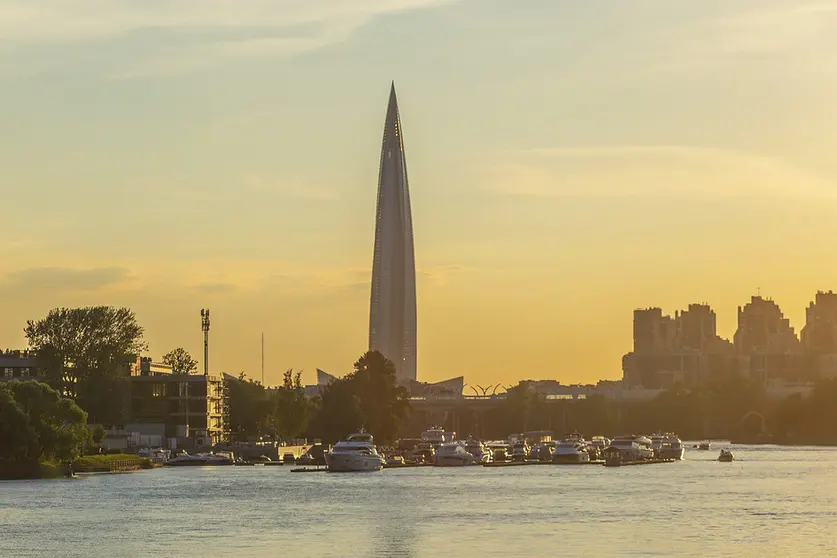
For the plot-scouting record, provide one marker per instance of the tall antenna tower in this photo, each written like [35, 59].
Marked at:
[205, 329]
[263, 358]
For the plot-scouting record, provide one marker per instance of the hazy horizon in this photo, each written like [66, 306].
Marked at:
[569, 162]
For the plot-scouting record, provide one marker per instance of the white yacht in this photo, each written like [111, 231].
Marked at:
[356, 453]
[479, 450]
[454, 454]
[571, 451]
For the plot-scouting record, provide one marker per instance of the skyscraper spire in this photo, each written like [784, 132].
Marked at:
[392, 312]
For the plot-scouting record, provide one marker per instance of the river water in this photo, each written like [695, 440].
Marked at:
[773, 501]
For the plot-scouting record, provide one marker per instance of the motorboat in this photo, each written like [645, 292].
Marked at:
[201, 459]
[500, 450]
[436, 436]
[356, 453]
[478, 450]
[667, 446]
[520, 451]
[726, 456]
[596, 445]
[543, 451]
[631, 448]
[454, 454]
[423, 453]
[395, 461]
[571, 451]
[705, 446]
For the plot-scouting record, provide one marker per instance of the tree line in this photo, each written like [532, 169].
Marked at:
[37, 424]
[83, 353]
[368, 398]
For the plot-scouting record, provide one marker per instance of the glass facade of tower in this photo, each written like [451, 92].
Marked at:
[392, 313]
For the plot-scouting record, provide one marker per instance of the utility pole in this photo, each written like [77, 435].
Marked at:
[262, 358]
[205, 329]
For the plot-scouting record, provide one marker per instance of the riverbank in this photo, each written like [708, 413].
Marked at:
[27, 470]
[111, 463]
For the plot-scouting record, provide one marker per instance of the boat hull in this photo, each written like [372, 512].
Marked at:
[349, 462]
[453, 461]
[672, 453]
[571, 458]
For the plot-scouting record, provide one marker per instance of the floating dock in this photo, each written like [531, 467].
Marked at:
[309, 470]
[644, 462]
[522, 463]
[406, 465]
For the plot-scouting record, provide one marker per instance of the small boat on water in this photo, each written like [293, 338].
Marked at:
[454, 455]
[667, 446]
[726, 456]
[356, 453]
[478, 450]
[395, 461]
[704, 446]
[571, 451]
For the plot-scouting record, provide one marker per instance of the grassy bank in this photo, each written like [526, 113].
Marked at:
[111, 462]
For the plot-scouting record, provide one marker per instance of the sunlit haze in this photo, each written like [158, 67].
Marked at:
[569, 162]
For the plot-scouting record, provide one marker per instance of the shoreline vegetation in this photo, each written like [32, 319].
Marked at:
[50, 469]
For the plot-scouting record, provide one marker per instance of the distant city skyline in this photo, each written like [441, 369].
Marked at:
[392, 303]
[575, 161]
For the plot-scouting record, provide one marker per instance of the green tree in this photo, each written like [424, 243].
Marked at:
[58, 424]
[181, 361]
[290, 409]
[249, 408]
[18, 440]
[84, 353]
[368, 397]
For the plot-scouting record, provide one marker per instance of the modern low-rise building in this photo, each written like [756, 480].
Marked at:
[191, 407]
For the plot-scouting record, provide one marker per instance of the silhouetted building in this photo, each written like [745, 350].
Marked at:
[17, 365]
[392, 312]
[766, 337]
[685, 349]
[819, 336]
[763, 328]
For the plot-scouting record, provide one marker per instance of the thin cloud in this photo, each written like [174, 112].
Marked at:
[295, 187]
[61, 278]
[190, 35]
[649, 170]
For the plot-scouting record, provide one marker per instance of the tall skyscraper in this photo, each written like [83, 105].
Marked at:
[392, 310]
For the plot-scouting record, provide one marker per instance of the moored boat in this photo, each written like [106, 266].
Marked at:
[571, 451]
[454, 454]
[356, 453]
[726, 456]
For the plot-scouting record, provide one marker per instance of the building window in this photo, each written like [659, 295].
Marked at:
[158, 390]
[9, 372]
[24, 372]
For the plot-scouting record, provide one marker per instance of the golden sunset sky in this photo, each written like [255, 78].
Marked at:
[569, 161]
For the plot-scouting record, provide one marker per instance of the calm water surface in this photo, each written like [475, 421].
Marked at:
[774, 501]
